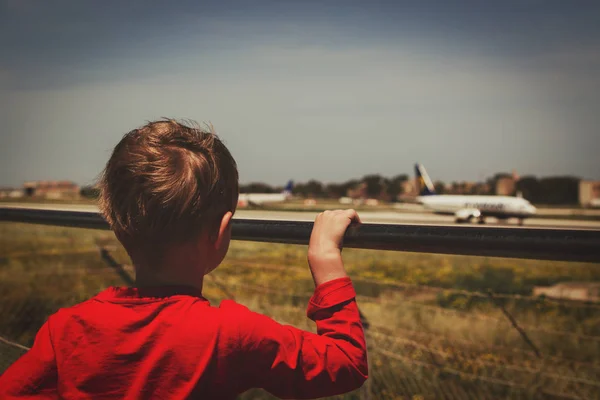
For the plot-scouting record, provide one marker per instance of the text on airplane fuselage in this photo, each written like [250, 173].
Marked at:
[485, 206]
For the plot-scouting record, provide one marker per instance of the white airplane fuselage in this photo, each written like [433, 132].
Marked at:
[245, 199]
[465, 207]
[260, 198]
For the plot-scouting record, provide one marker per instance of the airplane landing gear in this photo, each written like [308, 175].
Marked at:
[520, 221]
[481, 221]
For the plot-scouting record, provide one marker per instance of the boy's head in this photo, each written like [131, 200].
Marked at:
[168, 184]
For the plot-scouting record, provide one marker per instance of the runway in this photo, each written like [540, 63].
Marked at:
[378, 217]
[414, 218]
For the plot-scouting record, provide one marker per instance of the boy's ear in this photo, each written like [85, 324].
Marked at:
[223, 233]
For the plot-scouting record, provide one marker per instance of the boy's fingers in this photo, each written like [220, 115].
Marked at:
[352, 215]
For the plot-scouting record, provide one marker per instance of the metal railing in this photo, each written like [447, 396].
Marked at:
[527, 243]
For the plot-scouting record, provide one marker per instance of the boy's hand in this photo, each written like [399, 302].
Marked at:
[325, 246]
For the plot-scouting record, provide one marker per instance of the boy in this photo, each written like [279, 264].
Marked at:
[169, 192]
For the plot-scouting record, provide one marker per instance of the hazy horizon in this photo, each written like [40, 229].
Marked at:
[312, 90]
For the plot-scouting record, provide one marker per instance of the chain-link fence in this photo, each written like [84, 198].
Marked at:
[425, 340]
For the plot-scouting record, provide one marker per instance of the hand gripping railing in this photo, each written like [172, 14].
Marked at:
[543, 244]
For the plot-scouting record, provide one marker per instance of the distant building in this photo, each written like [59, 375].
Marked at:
[582, 291]
[10, 193]
[51, 189]
[589, 193]
[409, 187]
[506, 186]
[467, 187]
[481, 188]
[408, 191]
[461, 188]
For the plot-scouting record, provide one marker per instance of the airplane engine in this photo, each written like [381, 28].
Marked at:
[467, 214]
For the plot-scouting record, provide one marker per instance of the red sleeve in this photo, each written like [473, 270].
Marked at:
[292, 363]
[34, 374]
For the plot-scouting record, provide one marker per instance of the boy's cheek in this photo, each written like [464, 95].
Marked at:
[225, 246]
[221, 252]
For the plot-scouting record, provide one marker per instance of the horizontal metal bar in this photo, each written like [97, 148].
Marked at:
[542, 244]
[74, 219]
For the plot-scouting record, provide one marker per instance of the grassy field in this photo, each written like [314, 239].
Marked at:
[438, 326]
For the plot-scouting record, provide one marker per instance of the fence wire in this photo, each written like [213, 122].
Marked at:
[419, 348]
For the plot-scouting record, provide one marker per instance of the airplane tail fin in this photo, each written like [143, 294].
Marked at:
[288, 188]
[425, 186]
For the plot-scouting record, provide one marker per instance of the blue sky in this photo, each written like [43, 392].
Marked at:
[330, 90]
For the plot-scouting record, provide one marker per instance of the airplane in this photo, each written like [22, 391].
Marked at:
[467, 208]
[246, 199]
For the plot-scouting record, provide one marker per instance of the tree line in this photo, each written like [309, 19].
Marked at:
[371, 186]
[548, 190]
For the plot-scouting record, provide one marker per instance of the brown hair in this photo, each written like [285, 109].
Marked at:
[166, 182]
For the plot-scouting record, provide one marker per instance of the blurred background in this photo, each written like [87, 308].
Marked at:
[329, 104]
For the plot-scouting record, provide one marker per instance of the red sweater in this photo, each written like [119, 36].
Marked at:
[170, 343]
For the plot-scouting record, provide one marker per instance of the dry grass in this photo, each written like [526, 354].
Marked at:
[426, 338]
